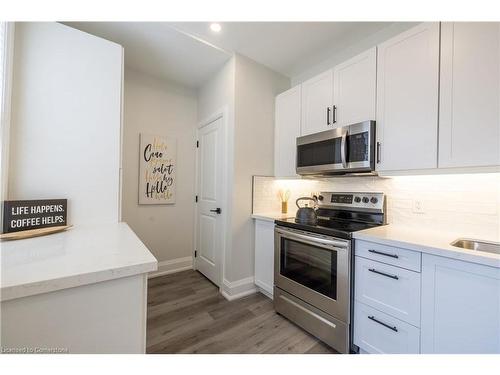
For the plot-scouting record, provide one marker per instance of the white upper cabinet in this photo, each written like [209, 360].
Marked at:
[469, 114]
[354, 89]
[286, 131]
[317, 99]
[407, 99]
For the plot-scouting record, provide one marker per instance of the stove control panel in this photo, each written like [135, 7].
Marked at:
[352, 201]
[341, 198]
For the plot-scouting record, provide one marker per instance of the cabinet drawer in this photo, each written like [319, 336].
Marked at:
[387, 254]
[390, 289]
[376, 332]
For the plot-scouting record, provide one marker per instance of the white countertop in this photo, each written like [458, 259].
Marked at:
[427, 241]
[271, 216]
[81, 255]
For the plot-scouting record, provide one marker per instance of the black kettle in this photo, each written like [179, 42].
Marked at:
[306, 214]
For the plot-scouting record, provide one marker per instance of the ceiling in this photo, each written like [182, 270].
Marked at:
[189, 52]
[159, 50]
[286, 47]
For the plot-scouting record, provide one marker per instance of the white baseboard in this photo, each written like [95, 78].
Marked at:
[265, 292]
[171, 266]
[238, 289]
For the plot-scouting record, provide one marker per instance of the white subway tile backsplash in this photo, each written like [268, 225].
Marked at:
[465, 204]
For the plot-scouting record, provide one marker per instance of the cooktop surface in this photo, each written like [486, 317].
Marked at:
[332, 227]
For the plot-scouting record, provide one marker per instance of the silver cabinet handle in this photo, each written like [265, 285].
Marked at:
[382, 323]
[379, 146]
[334, 114]
[383, 273]
[328, 110]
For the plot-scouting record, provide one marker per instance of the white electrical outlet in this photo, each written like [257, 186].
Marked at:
[418, 207]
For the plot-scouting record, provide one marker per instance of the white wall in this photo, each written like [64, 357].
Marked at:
[341, 53]
[215, 95]
[6, 62]
[66, 120]
[248, 90]
[255, 90]
[156, 106]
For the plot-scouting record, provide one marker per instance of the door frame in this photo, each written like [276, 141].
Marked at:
[222, 113]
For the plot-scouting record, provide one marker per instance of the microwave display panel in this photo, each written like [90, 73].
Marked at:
[357, 147]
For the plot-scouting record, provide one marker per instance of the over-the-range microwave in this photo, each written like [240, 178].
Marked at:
[345, 150]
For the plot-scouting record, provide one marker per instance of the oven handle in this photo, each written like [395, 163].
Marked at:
[312, 240]
[343, 148]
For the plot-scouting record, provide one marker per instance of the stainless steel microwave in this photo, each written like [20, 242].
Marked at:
[348, 149]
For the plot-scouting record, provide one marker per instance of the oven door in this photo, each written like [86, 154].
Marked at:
[314, 268]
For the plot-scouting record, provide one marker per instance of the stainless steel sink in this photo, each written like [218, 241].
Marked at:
[477, 245]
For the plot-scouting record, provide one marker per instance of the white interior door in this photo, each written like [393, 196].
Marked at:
[210, 210]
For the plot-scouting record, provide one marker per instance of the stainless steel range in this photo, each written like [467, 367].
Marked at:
[313, 268]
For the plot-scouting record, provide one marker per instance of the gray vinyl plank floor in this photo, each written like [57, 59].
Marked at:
[186, 314]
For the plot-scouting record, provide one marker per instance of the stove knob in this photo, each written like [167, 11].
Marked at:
[357, 199]
[374, 200]
[365, 200]
[320, 197]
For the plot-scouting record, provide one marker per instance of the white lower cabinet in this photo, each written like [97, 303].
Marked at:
[460, 306]
[387, 299]
[376, 332]
[451, 307]
[264, 255]
[388, 288]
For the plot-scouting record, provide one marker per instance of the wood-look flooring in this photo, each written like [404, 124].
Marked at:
[186, 314]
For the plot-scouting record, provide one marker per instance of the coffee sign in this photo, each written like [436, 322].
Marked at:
[33, 214]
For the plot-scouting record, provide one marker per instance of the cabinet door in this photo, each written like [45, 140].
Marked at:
[469, 113]
[286, 131]
[407, 99]
[264, 255]
[354, 89]
[379, 333]
[390, 289]
[317, 100]
[460, 307]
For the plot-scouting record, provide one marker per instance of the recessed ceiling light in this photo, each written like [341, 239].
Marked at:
[215, 27]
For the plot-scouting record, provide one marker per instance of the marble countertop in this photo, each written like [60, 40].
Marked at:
[271, 216]
[84, 254]
[428, 241]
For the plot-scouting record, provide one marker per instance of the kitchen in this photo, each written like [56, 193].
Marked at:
[338, 201]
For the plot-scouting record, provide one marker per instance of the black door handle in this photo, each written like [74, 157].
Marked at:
[217, 210]
[382, 323]
[396, 256]
[383, 273]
